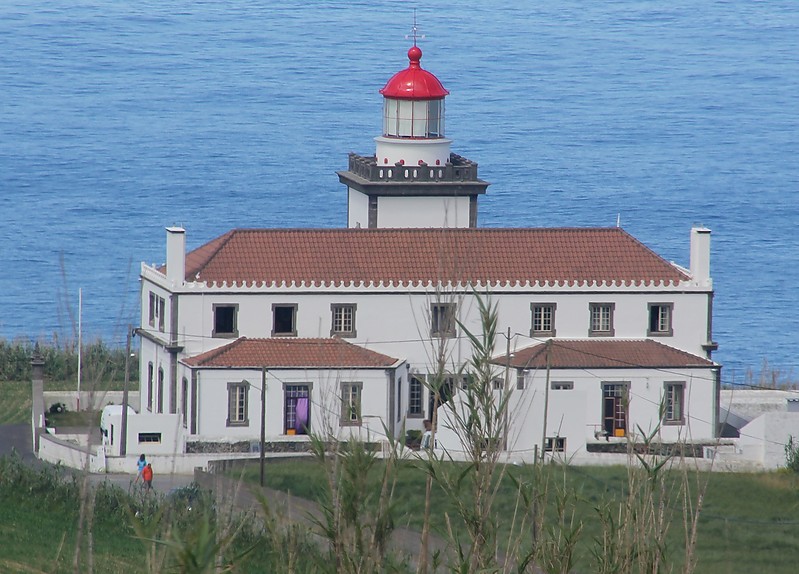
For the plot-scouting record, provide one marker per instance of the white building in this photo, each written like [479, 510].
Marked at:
[347, 322]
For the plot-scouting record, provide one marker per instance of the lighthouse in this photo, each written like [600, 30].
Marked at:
[413, 179]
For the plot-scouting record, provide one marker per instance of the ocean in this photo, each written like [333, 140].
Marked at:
[118, 119]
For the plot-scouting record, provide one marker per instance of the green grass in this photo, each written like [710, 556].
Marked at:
[15, 404]
[39, 517]
[15, 397]
[749, 522]
[88, 419]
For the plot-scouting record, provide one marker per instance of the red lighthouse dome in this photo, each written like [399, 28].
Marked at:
[414, 83]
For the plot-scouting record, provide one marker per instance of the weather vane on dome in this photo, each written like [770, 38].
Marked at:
[414, 31]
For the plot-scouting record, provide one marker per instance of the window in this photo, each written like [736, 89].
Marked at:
[555, 444]
[150, 437]
[561, 385]
[184, 401]
[439, 395]
[498, 383]
[284, 320]
[660, 319]
[519, 379]
[674, 404]
[237, 404]
[297, 409]
[157, 307]
[614, 409]
[225, 320]
[150, 372]
[442, 319]
[601, 319]
[415, 392]
[399, 398]
[343, 323]
[351, 404]
[543, 319]
[160, 396]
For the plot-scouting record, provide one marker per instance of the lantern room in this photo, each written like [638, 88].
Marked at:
[413, 117]
[413, 105]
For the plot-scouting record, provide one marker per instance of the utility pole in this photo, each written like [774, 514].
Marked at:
[263, 421]
[504, 402]
[123, 440]
[546, 402]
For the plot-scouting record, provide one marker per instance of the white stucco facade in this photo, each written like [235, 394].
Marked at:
[395, 320]
[574, 409]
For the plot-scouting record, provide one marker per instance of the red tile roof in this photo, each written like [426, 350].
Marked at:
[604, 354]
[291, 353]
[422, 255]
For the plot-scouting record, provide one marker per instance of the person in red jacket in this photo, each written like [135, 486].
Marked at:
[147, 475]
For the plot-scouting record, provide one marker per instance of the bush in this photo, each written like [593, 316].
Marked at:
[792, 455]
[99, 361]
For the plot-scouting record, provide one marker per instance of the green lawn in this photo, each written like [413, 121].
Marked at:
[15, 402]
[749, 522]
[15, 398]
[40, 513]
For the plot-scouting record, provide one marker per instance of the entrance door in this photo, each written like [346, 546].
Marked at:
[614, 409]
[297, 409]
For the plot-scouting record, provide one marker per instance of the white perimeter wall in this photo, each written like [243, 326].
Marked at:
[169, 429]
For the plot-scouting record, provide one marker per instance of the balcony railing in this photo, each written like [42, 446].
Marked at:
[457, 169]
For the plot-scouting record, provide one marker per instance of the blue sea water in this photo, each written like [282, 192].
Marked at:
[119, 118]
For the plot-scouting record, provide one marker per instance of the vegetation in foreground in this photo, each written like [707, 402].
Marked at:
[749, 523]
[103, 369]
[51, 521]
[655, 515]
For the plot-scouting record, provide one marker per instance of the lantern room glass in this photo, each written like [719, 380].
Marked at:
[413, 118]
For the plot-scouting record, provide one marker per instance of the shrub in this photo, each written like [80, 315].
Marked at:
[792, 455]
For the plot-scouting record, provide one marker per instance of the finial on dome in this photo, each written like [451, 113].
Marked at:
[414, 32]
[414, 55]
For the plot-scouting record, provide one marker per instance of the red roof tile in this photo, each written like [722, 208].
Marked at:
[414, 255]
[604, 354]
[291, 353]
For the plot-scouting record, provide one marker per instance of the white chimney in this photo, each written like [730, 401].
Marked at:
[176, 255]
[700, 254]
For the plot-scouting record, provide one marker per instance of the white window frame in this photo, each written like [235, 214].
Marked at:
[561, 385]
[663, 320]
[343, 319]
[157, 312]
[416, 386]
[443, 319]
[238, 404]
[351, 404]
[673, 390]
[600, 319]
[543, 319]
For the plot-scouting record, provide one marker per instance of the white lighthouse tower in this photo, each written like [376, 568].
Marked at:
[413, 180]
